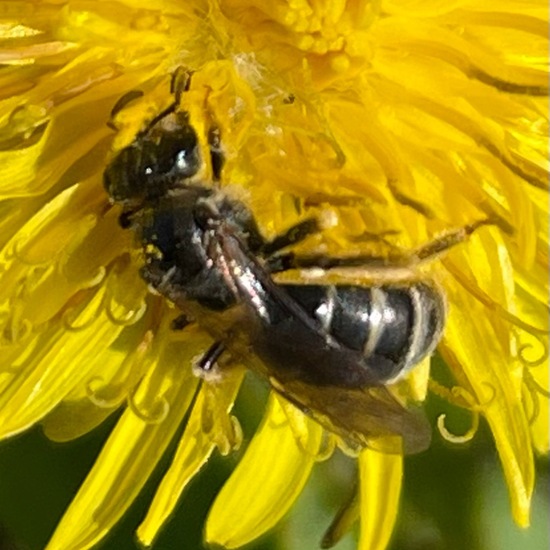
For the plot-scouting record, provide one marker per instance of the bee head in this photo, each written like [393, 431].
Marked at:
[160, 159]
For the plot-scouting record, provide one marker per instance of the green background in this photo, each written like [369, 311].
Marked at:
[454, 497]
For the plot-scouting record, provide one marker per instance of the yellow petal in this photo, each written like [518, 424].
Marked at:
[41, 380]
[118, 368]
[418, 380]
[134, 448]
[194, 449]
[266, 481]
[380, 478]
[532, 298]
[478, 345]
[533, 350]
[71, 419]
[61, 250]
[18, 169]
[539, 406]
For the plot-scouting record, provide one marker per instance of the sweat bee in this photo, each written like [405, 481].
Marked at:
[331, 349]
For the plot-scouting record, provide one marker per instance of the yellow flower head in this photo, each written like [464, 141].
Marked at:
[391, 122]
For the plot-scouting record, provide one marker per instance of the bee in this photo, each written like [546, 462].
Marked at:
[329, 348]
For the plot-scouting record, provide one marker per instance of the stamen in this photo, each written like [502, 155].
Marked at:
[131, 317]
[156, 413]
[94, 280]
[94, 394]
[533, 384]
[207, 416]
[328, 445]
[488, 302]
[535, 402]
[462, 398]
[297, 423]
[25, 126]
[70, 316]
[127, 376]
[539, 360]
[458, 439]
[223, 428]
[16, 253]
[230, 437]
[521, 167]
[350, 448]
[16, 329]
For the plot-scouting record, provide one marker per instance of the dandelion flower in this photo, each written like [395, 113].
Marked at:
[399, 120]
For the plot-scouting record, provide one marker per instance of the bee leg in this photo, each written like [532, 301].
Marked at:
[120, 104]
[180, 322]
[403, 258]
[257, 244]
[448, 240]
[209, 359]
[181, 80]
[292, 236]
[344, 520]
[179, 84]
[217, 157]
[290, 260]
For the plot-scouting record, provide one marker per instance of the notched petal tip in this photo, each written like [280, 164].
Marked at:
[194, 449]
[132, 451]
[380, 477]
[267, 480]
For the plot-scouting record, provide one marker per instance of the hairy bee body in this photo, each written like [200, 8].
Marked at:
[367, 336]
[331, 349]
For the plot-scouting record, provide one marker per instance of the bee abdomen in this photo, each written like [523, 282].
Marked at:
[393, 327]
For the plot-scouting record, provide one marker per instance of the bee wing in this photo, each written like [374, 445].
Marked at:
[294, 358]
[365, 417]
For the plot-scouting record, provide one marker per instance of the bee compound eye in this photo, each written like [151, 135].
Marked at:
[177, 154]
[186, 162]
[117, 177]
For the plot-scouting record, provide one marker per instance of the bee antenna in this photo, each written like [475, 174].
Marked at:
[181, 80]
[448, 240]
[470, 228]
[121, 103]
[498, 221]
